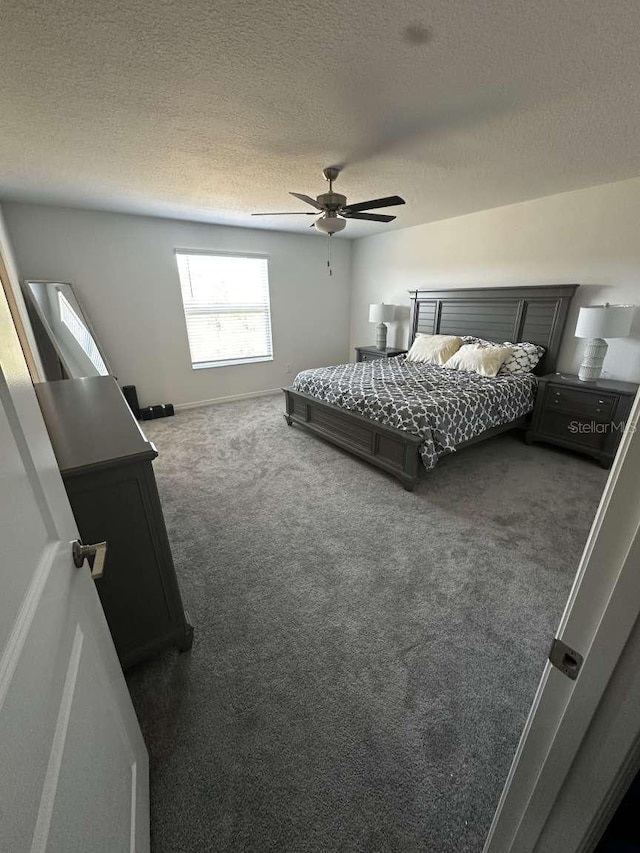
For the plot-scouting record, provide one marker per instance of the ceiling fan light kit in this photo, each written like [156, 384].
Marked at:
[330, 224]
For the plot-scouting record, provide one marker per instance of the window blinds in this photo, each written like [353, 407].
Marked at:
[80, 332]
[226, 306]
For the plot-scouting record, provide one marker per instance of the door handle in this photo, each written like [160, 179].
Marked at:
[94, 554]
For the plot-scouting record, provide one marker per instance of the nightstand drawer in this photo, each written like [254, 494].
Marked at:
[578, 431]
[592, 404]
[370, 353]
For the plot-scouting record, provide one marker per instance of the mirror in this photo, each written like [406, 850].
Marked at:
[67, 344]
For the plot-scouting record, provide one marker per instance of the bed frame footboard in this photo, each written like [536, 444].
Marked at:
[392, 450]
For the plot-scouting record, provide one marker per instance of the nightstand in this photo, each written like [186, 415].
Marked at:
[585, 416]
[372, 353]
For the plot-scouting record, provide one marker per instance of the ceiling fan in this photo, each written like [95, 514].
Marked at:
[335, 210]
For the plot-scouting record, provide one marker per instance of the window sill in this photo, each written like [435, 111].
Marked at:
[204, 365]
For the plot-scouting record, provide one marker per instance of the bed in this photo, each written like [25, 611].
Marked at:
[401, 416]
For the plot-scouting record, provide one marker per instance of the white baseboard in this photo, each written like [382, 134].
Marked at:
[183, 406]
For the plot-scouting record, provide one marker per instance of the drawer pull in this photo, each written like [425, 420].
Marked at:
[601, 402]
[598, 409]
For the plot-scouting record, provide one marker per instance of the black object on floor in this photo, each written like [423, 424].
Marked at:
[351, 685]
[131, 396]
[163, 410]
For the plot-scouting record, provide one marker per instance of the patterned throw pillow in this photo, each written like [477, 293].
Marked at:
[523, 360]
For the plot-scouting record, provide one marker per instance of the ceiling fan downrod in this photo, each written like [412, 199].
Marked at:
[330, 174]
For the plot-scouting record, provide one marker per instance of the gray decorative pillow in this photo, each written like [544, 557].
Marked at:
[469, 339]
[523, 360]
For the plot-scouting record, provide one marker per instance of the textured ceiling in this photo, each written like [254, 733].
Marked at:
[213, 109]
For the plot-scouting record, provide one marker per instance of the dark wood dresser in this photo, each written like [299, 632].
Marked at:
[372, 353]
[105, 462]
[585, 416]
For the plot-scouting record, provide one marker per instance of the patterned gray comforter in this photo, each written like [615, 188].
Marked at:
[444, 407]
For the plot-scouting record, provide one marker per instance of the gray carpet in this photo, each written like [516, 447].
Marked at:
[364, 657]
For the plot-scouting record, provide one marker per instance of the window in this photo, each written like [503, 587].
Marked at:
[81, 334]
[226, 306]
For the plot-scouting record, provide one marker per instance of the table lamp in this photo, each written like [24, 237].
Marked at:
[381, 314]
[597, 322]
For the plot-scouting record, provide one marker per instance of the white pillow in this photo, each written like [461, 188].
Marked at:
[433, 349]
[486, 361]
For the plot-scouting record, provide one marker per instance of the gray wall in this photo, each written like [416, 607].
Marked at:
[125, 273]
[591, 237]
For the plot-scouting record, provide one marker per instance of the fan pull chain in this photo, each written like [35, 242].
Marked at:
[329, 254]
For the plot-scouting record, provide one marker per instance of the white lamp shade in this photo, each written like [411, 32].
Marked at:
[381, 313]
[604, 321]
[330, 224]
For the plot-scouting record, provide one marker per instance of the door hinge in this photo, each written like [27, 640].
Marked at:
[566, 659]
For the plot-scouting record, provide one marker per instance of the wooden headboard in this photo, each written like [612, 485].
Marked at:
[537, 314]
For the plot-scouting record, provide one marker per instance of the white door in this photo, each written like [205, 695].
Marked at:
[73, 765]
[601, 614]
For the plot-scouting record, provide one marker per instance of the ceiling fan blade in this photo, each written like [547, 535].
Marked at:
[388, 201]
[373, 217]
[288, 213]
[308, 200]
